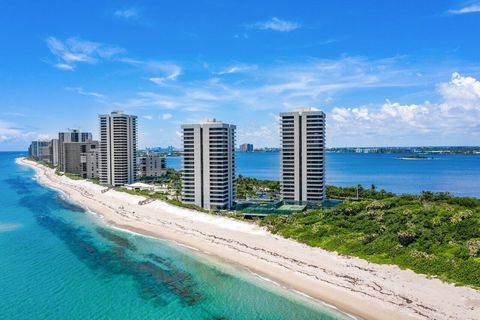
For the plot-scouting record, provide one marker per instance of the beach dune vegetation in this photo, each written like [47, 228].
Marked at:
[436, 234]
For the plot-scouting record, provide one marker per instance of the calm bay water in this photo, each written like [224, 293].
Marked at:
[58, 262]
[458, 174]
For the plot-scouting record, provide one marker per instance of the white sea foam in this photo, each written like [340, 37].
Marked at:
[267, 279]
[302, 294]
[331, 306]
[185, 246]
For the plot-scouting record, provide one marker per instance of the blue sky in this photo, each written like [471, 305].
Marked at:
[386, 73]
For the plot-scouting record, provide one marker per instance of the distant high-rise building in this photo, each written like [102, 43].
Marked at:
[118, 148]
[303, 151]
[39, 150]
[54, 151]
[151, 165]
[209, 164]
[73, 135]
[246, 147]
[81, 158]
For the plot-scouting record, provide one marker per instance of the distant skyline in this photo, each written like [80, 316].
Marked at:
[386, 73]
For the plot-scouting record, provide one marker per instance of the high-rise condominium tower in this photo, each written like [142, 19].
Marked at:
[117, 148]
[303, 151]
[209, 164]
[73, 135]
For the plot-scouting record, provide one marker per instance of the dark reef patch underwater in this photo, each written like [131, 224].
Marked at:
[154, 275]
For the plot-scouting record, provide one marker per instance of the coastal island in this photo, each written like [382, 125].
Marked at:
[415, 157]
[353, 285]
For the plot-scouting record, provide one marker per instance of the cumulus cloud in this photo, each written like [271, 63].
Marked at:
[148, 117]
[474, 8]
[276, 24]
[73, 51]
[454, 117]
[461, 92]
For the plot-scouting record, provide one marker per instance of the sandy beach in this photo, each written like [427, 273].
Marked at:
[355, 286]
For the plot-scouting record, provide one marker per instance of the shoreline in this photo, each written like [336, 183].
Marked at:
[351, 285]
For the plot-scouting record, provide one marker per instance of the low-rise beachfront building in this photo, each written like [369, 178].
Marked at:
[117, 148]
[151, 165]
[303, 155]
[208, 178]
[140, 186]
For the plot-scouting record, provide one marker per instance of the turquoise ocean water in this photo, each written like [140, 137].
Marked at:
[59, 262]
[458, 174]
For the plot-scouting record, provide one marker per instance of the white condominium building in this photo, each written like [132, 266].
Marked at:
[303, 151]
[209, 164]
[117, 148]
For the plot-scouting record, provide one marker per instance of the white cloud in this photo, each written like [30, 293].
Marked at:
[149, 99]
[474, 8]
[64, 66]
[72, 51]
[314, 82]
[258, 133]
[11, 132]
[282, 86]
[238, 68]
[167, 116]
[148, 117]
[160, 81]
[17, 114]
[8, 132]
[276, 24]
[82, 92]
[454, 117]
[243, 35]
[154, 66]
[166, 70]
[127, 13]
[461, 92]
